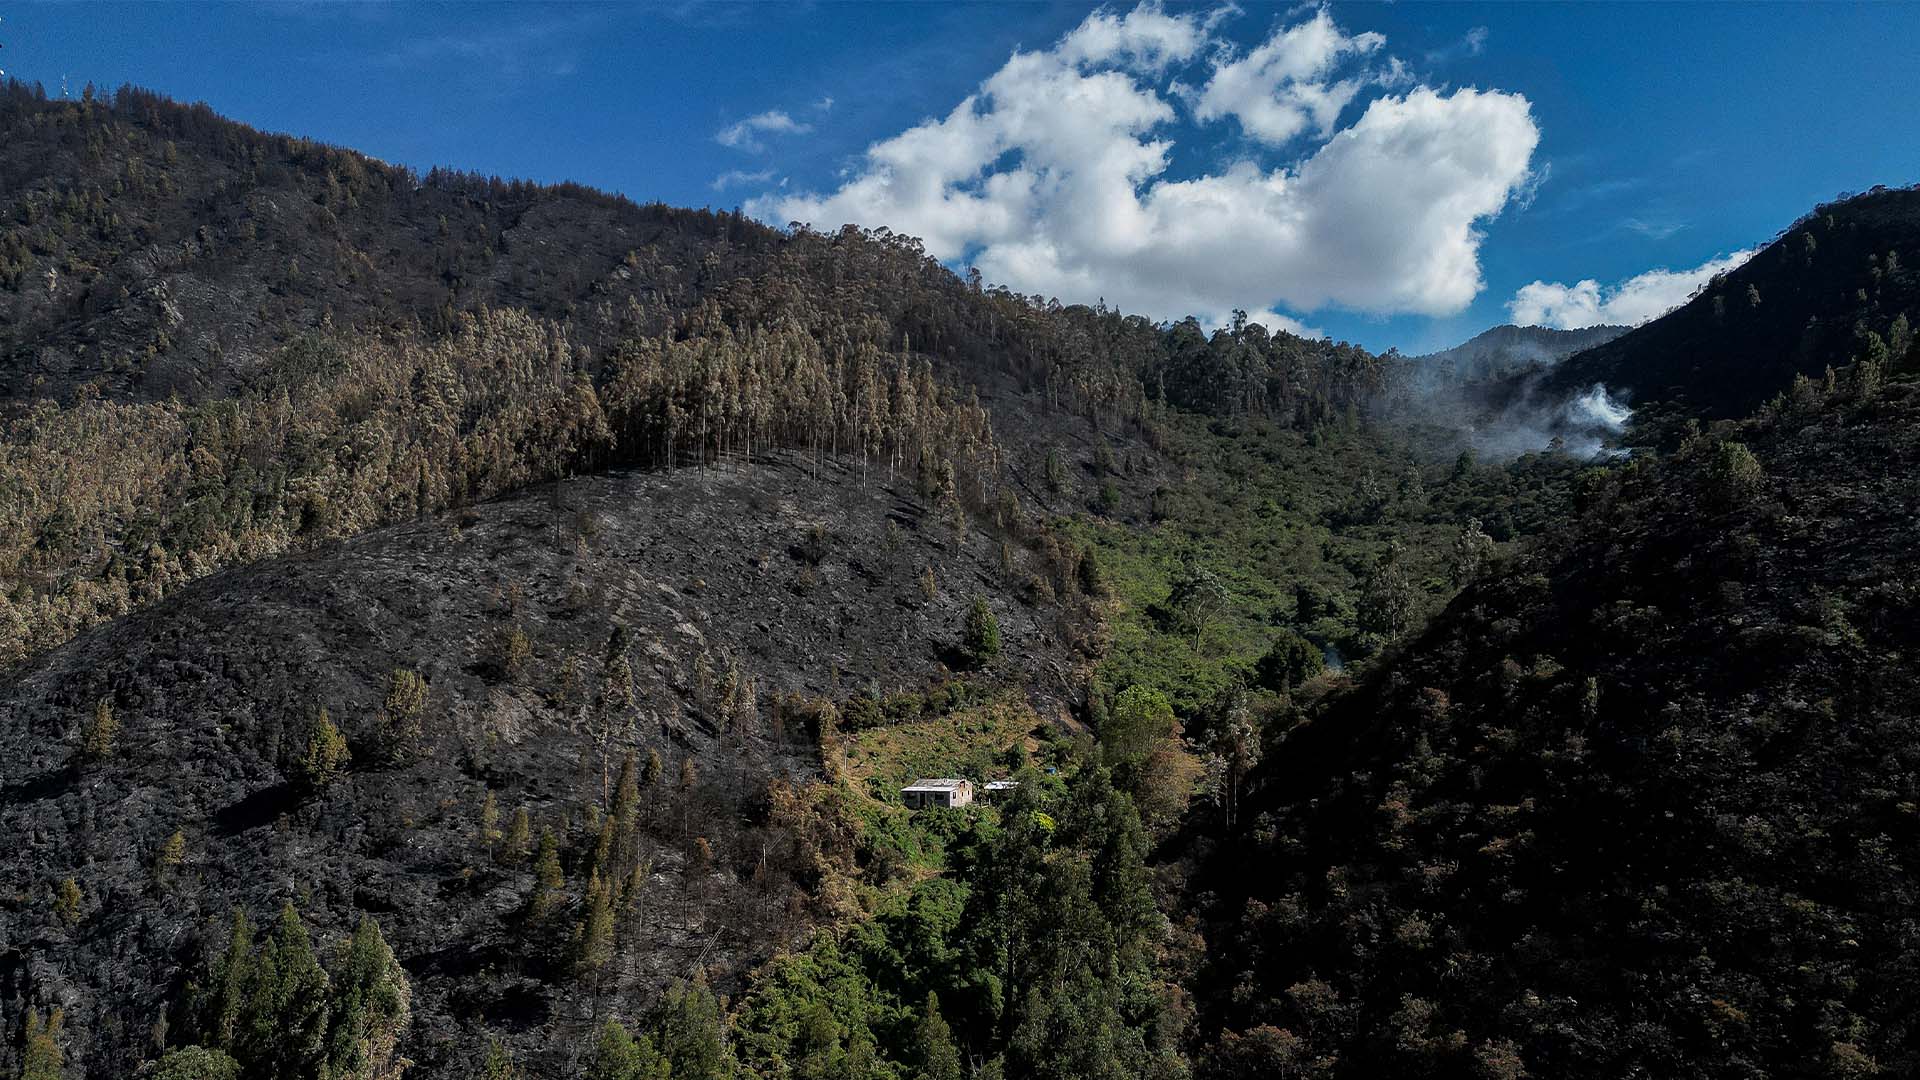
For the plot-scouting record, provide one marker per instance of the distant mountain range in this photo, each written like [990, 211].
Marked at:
[1835, 286]
[1507, 349]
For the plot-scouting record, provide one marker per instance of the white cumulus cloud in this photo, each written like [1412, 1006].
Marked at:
[1281, 88]
[740, 178]
[745, 134]
[1054, 176]
[1638, 299]
[1147, 36]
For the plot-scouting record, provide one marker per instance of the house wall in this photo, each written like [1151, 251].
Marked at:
[914, 800]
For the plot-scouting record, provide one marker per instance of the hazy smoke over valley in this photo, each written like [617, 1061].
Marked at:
[1499, 426]
[1490, 390]
[1584, 424]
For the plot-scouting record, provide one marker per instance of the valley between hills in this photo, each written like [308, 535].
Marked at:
[461, 627]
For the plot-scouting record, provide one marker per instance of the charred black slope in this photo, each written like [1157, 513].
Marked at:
[1506, 350]
[1641, 805]
[149, 249]
[681, 614]
[1803, 304]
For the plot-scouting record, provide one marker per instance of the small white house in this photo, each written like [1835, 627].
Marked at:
[936, 793]
[999, 789]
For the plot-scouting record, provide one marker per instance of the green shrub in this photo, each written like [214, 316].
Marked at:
[323, 756]
[1735, 476]
[66, 901]
[862, 711]
[1291, 661]
[401, 710]
[41, 1058]
[196, 1063]
[100, 732]
[980, 637]
[513, 652]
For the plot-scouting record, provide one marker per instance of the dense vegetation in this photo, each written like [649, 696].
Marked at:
[1640, 804]
[574, 585]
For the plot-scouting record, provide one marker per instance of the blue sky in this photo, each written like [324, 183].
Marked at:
[1481, 149]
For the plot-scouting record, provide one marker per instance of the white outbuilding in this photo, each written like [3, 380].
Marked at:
[936, 793]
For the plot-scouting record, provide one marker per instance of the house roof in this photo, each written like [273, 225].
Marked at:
[936, 785]
[1002, 785]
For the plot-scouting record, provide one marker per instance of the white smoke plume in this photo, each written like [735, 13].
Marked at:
[1585, 425]
[1597, 409]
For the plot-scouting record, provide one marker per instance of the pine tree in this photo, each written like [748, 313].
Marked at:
[980, 638]
[66, 901]
[549, 881]
[172, 852]
[1735, 476]
[513, 652]
[626, 808]
[101, 731]
[489, 823]
[519, 838]
[603, 844]
[498, 1064]
[932, 1052]
[593, 935]
[617, 1055]
[218, 1002]
[41, 1058]
[1056, 471]
[635, 884]
[370, 1009]
[322, 757]
[1093, 578]
[616, 671]
[817, 1047]
[402, 708]
[1900, 341]
[692, 1034]
[280, 1029]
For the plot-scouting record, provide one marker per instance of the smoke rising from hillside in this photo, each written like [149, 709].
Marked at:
[1582, 424]
[1494, 390]
[1597, 407]
[1501, 422]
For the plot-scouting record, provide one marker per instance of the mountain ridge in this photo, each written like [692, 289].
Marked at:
[1816, 297]
[1505, 349]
